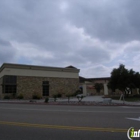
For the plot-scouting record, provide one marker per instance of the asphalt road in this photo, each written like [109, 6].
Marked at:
[46, 122]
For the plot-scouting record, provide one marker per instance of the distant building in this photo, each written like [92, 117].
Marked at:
[94, 80]
[88, 84]
[44, 81]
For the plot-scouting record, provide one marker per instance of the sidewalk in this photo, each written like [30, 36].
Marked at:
[99, 99]
[88, 100]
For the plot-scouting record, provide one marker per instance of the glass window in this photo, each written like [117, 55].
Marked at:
[9, 84]
[45, 86]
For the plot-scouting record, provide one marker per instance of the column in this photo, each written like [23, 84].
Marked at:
[105, 89]
[84, 89]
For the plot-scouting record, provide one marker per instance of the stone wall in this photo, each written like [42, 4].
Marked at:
[0, 88]
[30, 85]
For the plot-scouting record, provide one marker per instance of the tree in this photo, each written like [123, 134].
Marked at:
[122, 78]
[69, 96]
[98, 87]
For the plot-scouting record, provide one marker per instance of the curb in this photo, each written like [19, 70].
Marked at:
[71, 104]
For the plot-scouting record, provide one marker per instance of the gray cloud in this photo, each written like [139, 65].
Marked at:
[107, 20]
[92, 35]
[7, 52]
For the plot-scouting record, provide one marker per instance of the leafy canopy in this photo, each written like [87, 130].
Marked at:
[122, 78]
[98, 87]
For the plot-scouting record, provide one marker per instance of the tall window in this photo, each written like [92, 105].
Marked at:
[9, 84]
[45, 86]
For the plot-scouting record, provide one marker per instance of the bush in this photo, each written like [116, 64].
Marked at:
[77, 92]
[20, 96]
[6, 97]
[14, 95]
[59, 95]
[80, 97]
[68, 96]
[136, 95]
[55, 96]
[46, 100]
[36, 97]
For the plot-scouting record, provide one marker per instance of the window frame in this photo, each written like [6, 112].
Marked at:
[45, 88]
[9, 84]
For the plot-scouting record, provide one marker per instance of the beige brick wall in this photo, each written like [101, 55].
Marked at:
[28, 85]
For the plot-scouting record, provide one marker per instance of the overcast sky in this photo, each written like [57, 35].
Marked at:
[92, 35]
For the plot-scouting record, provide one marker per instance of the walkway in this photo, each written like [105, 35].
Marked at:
[89, 100]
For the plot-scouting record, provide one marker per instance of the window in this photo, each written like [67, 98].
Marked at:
[9, 84]
[45, 86]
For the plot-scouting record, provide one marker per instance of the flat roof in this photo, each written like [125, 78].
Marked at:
[83, 79]
[99, 78]
[36, 67]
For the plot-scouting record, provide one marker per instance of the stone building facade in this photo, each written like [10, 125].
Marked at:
[43, 81]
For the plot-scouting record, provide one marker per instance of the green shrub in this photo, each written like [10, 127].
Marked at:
[20, 96]
[36, 97]
[77, 92]
[6, 97]
[68, 96]
[59, 95]
[80, 97]
[14, 95]
[46, 100]
[55, 96]
[136, 95]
